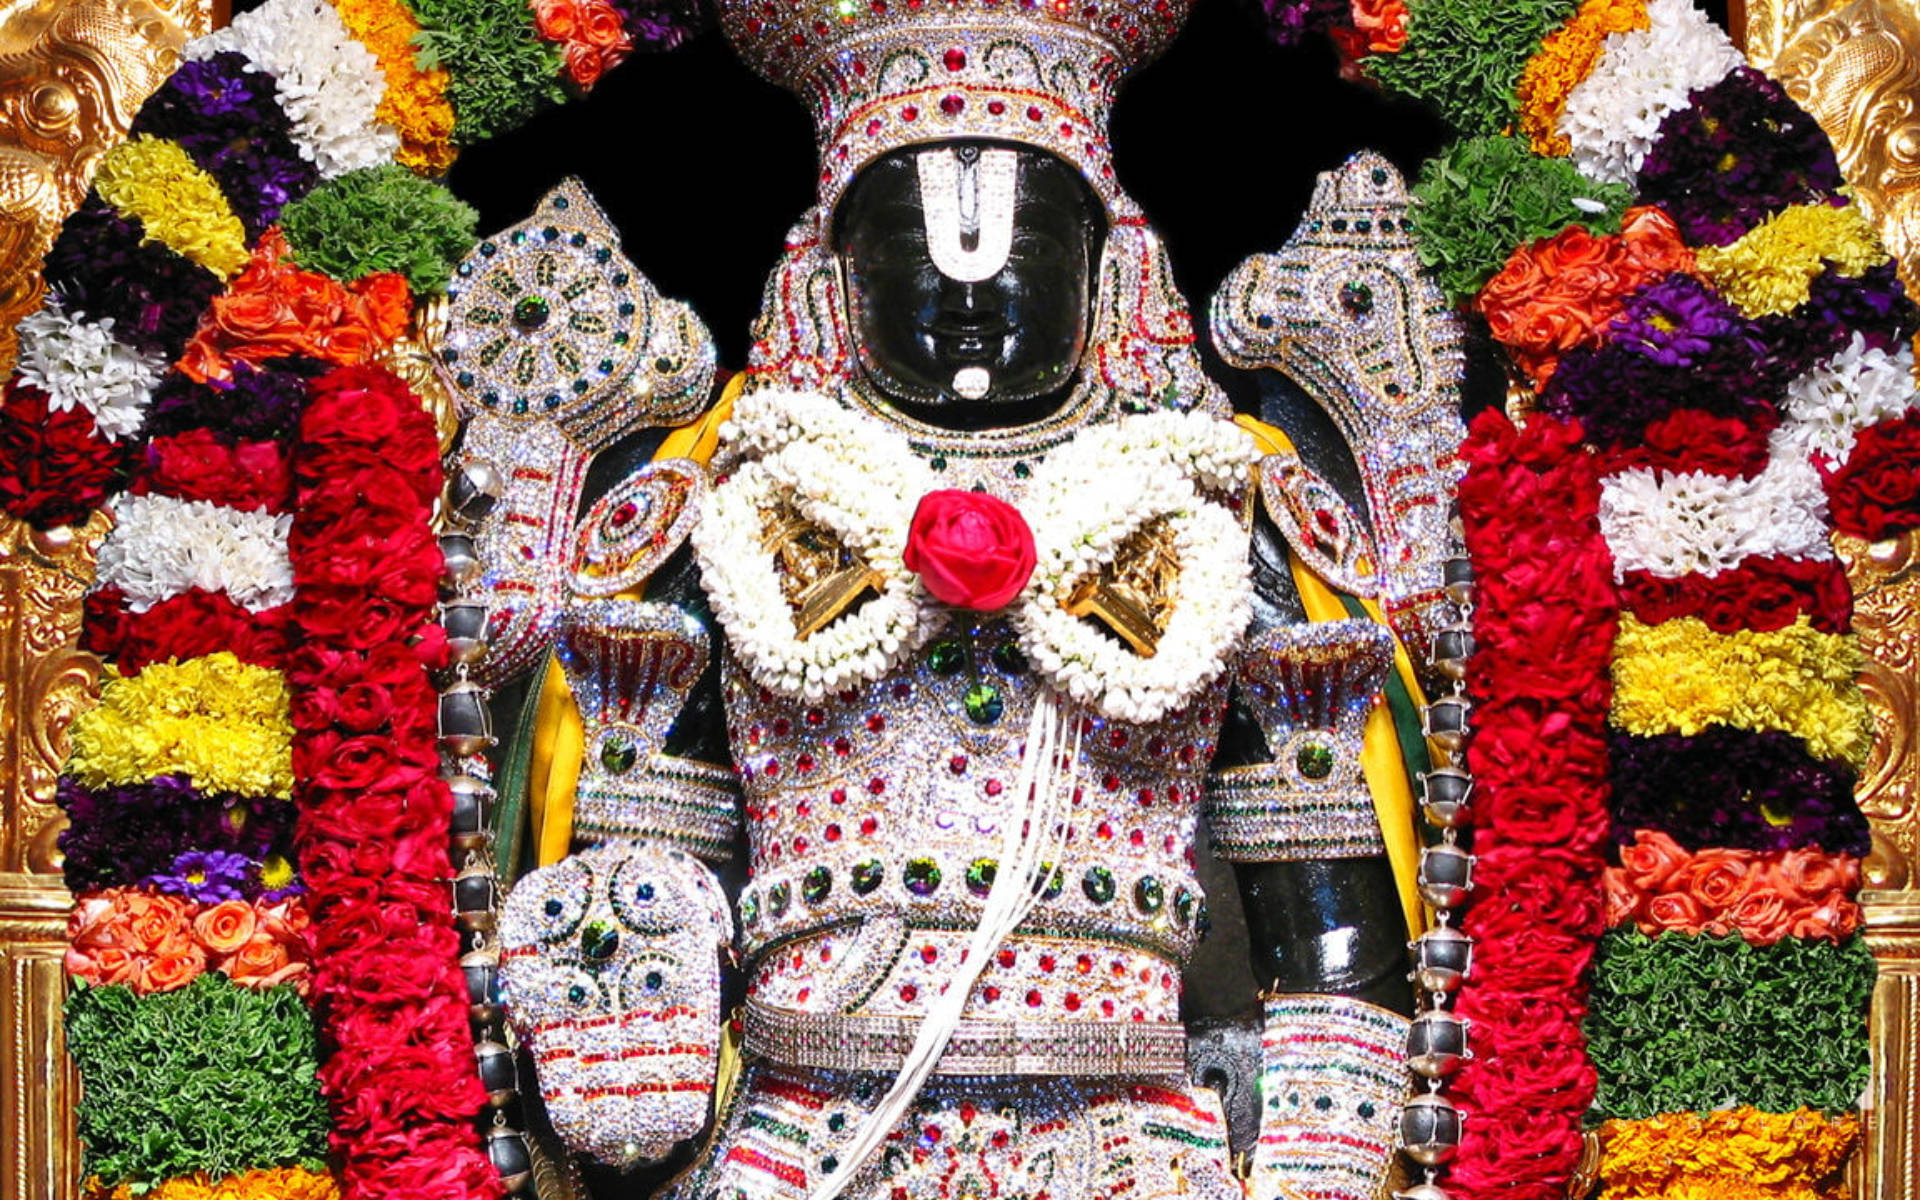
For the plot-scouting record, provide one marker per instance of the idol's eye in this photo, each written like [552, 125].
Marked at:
[548, 905]
[650, 980]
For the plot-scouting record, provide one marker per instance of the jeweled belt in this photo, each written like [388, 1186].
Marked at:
[838, 1042]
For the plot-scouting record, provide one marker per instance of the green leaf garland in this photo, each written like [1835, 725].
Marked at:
[500, 72]
[1480, 198]
[1692, 1024]
[212, 1077]
[1465, 57]
[381, 219]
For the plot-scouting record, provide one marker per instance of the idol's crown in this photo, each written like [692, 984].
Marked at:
[883, 74]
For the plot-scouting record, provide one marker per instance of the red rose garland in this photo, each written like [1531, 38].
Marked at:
[1543, 633]
[374, 816]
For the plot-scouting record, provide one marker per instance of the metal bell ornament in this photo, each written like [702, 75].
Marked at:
[507, 1151]
[1444, 793]
[1437, 1043]
[465, 725]
[460, 562]
[465, 622]
[1442, 958]
[474, 896]
[1446, 875]
[473, 490]
[1445, 722]
[1430, 1129]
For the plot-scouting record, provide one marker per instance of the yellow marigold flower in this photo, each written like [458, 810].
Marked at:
[416, 103]
[181, 206]
[1567, 57]
[1771, 267]
[1736, 1154]
[1680, 677]
[276, 1183]
[221, 722]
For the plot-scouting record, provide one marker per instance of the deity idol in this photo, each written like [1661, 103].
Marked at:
[964, 605]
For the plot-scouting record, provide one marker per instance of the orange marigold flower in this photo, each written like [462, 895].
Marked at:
[415, 103]
[1565, 58]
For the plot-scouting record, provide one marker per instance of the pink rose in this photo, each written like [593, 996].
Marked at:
[971, 550]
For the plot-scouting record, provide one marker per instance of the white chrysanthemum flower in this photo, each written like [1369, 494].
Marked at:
[1612, 115]
[80, 363]
[328, 84]
[1673, 524]
[1829, 405]
[161, 547]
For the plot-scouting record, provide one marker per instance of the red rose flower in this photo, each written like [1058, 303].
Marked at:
[1876, 494]
[970, 549]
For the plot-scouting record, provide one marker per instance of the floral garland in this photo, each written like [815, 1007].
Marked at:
[844, 472]
[1664, 248]
[156, 943]
[374, 813]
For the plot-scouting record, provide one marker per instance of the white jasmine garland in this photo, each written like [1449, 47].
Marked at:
[1612, 115]
[1826, 407]
[1692, 522]
[1093, 494]
[853, 475]
[161, 547]
[79, 363]
[328, 84]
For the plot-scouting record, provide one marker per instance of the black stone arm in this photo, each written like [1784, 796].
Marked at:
[1330, 925]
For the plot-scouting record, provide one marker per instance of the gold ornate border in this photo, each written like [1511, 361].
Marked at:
[72, 74]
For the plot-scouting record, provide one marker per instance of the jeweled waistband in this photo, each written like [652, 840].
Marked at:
[980, 1046]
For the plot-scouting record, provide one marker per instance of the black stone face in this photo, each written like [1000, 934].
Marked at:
[916, 328]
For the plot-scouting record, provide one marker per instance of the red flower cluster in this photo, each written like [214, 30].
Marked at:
[1764, 593]
[374, 815]
[1543, 632]
[192, 624]
[201, 465]
[1691, 439]
[1875, 494]
[55, 468]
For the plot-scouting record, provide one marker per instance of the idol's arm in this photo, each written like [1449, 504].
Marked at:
[1288, 805]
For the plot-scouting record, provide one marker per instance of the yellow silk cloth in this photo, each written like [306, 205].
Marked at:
[559, 741]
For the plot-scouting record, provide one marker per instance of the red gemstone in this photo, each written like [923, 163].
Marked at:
[876, 723]
[831, 833]
[1073, 1002]
[910, 113]
[626, 512]
[1034, 113]
[952, 105]
[1137, 838]
[873, 127]
[956, 59]
[1047, 962]
[928, 954]
[989, 993]
[993, 787]
[842, 747]
[957, 764]
[868, 825]
[997, 107]
[838, 795]
[876, 785]
[1004, 958]
[1084, 964]
[1033, 997]
[908, 993]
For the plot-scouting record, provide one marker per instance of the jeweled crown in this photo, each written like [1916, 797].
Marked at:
[883, 74]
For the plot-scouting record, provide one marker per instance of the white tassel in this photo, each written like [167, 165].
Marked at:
[1033, 835]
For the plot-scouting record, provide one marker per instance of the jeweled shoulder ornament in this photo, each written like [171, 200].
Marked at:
[557, 347]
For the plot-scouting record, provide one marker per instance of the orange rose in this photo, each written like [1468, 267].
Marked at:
[388, 303]
[555, 19]
[1762, 916]
[1835, 917]
[156, 924]
[1623, 900]
[225, 927]
[177, 969]
[1812, 871]
[1652, 859]
[1654, 244]
[264, 962]
[1718, 877]
[1673, 910]
[106, 965]
[1384, 22]
[603, 27]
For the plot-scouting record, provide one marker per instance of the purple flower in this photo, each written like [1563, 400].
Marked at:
[228, 119]
[208, 876]
[1740, 153]
[100, 266]
[660, 25]
[125, 835]
[1873, 304]
[258, 403]
[1287, 21]
[1731, 787]
[1676, 344]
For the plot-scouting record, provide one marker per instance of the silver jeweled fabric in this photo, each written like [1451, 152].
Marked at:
[1311, 688]
[610, 966]
[1332, 1080]
[631, 667]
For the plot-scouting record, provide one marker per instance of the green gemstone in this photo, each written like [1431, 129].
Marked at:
[983, 703]
[1021, 470]
[531, 312]
[749, 909]
[602, 254]
[1356, 298]
[618, 755]
[1009, 658]
[828, 1164]
[945, 657]
[1366, 1109]
[521, 405]
[599, 941]
[577, 994]
[922, 876]
[550, 233]
[1056, 882]
[578, 239]
[816, 885]
[1148, 895]
[1314, 759]
[980, 875]
[867, 876]
[488, 248]
[778, 897]
[1098, 884]
[622, 338]
[938, 462]
[654, 981]
[837, 1122]
[464, 379]
[563, 202]
[519, 236]
[1183, 906]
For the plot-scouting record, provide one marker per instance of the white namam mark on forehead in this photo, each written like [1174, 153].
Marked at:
[974, 198]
